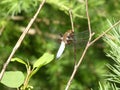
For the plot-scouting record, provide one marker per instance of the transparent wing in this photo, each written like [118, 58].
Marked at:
[80, 38]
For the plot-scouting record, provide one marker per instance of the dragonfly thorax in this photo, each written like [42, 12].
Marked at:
[68, 37]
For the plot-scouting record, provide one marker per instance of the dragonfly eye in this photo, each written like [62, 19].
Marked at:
[69, 39]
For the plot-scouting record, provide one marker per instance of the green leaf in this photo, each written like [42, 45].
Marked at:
[45, 59]
[13, 79]
[19, 60]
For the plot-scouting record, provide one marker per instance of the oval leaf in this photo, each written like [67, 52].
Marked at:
[19, 60]
[13, 79]
[45, 59]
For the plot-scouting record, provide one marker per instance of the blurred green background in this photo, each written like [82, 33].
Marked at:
[52, 20]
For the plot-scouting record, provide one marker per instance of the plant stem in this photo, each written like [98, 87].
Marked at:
[20, 40]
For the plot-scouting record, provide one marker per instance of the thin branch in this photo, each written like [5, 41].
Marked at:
[89, 43]
[90, 35]
[88, 18]
[101, 35]
[71, 19]
[72, 26]
[84, 52]
[21, 39]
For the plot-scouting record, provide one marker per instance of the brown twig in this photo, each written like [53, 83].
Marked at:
[90, 36]
[74, 41]
[71, 19]
[20, 40]
[83, 54]
[89, 43]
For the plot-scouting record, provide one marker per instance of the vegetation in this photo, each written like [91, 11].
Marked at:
[34, 64]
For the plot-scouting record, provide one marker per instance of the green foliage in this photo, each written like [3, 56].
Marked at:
[54, 19]
[113, 43]
[14, 7]
[45, 59]
[107, 86]
[19, 60]
[76, 6]
[13, 79]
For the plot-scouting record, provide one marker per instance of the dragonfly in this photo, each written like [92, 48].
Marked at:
[67, 38]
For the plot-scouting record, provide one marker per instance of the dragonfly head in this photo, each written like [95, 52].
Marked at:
[68, 37]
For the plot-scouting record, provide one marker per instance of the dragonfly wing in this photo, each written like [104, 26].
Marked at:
[61, 49]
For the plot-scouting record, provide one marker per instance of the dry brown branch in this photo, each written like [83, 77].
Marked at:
[71, 19]
[83, 54]
[89, 43]
[21, 39]
[72, 27]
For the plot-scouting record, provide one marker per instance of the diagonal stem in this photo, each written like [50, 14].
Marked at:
[104, 33]
[84, 52]
[21, 39]
[74, 41]
[89, 43]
